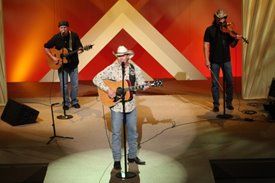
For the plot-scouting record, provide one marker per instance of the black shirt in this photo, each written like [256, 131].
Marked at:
[58, 42]
[219, 44]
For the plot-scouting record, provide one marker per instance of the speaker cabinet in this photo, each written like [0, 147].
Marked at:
[271, 93]
[18, 114]
[243, 170]
[25, 173]
[269, 106]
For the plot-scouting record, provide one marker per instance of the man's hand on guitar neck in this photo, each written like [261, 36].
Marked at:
[145, 87]
[80, 50]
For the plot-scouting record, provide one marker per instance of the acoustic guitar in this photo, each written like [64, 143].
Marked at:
[62, 56]
[127, 92]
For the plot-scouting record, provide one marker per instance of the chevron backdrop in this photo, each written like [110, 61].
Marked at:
[166, 36]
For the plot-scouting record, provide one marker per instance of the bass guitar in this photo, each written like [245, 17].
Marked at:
[62, 56]
[120, 92]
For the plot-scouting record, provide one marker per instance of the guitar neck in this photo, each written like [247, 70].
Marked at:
[151, 84]
[72, 52]
[85, 48]
[134, 88]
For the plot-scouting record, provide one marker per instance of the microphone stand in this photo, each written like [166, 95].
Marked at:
[126, 175]
[53, 124]
[65, 116]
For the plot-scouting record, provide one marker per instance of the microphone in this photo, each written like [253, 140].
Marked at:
[62, 33]
[122, 64]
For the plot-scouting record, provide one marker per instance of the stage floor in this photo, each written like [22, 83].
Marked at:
[178, 136]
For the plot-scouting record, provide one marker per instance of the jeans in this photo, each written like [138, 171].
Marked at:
[74, 85]
[227, 74]
[131, 124]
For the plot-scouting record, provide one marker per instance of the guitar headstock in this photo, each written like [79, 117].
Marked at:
[87, 47]
[157, 83]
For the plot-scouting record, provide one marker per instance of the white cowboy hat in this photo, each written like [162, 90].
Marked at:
[220, 14]
[122, 50]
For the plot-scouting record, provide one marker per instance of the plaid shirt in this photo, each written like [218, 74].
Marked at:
[114, 72]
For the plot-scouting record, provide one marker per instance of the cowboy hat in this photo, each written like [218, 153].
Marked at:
[122, 50]
[220, 14]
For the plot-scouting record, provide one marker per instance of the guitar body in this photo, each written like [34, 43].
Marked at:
[58, 54]
[61, 55]
[114, 85]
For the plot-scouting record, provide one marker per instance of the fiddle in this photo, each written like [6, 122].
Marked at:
[227, 27]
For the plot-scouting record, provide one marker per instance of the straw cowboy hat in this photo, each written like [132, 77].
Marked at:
[122, 50]
[220, 14]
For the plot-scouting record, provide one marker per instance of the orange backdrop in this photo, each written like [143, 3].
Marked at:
[28, 24]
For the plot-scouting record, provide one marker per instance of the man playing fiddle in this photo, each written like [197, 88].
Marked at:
[217, 45]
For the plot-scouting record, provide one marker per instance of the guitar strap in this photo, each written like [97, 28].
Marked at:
[132, 76]
[70, 42]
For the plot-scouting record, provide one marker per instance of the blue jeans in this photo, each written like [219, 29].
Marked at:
[227, 74]
[74, 85]
[131, 124]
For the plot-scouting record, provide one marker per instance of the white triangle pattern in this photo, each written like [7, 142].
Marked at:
[123, 16]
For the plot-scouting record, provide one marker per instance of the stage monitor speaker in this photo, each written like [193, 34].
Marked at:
[18, 114]
[271, 93]
[270, 105]
[243, 170]
[270, 108]
[24, 173]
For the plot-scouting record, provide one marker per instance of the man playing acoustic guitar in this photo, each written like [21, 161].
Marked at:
[133, 74]
[58, 49]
